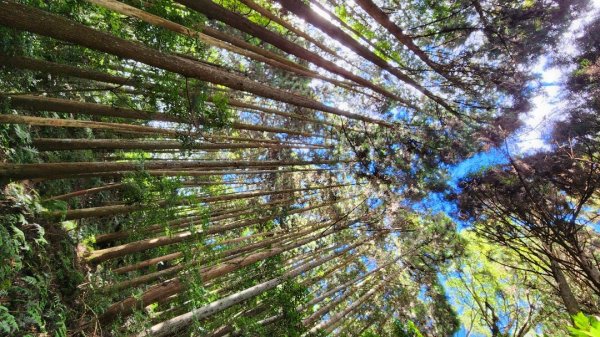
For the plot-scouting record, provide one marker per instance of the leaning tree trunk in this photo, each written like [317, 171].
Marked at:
[177, 323]
[27, 18]
[305, 12]
[564, 289]
[213, 10]
[174, 286]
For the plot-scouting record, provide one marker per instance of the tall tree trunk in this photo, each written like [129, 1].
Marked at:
[302, 10]
[62, 69]
[71, 123]
[564, 289]
[215, 11]
[66, 169]
[37, 21]
[66, 144]
[170, 287]
[177, 323]
[43, 103]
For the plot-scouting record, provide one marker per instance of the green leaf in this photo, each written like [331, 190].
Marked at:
[581, 321]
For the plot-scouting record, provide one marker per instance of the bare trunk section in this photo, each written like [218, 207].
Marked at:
[215, 11]
[564, 289]
[305, 12]
[65, 144]
[72, 123]
[37, 21]
[43, 103]
[177, 323]
[382, 18]
[66, 169]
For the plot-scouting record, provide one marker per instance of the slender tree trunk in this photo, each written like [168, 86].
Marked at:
[43, 103]
[66, 169]
[168, 288]
[305, 12]
[564, 289]
[71, 123]
[66, 144]
[86, 192]
[177, 323]
[37, 21]
[215, 11]
[62, 69]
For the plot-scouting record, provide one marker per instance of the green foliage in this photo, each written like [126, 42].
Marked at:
[141, 187]
[15, 139]
[36, 275]
[585, 326]
[407, 329]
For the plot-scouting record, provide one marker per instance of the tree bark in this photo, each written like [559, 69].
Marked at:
[381, 17]
[71, 123]
[305, 12]
[37, 21]
[43, 103]
[66, 169]
[66, 144]
[177, 323]
[564, 289]
[215, 11]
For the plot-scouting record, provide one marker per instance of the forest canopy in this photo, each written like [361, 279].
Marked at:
[300, 168]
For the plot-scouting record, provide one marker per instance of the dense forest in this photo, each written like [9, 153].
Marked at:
[299, 168]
